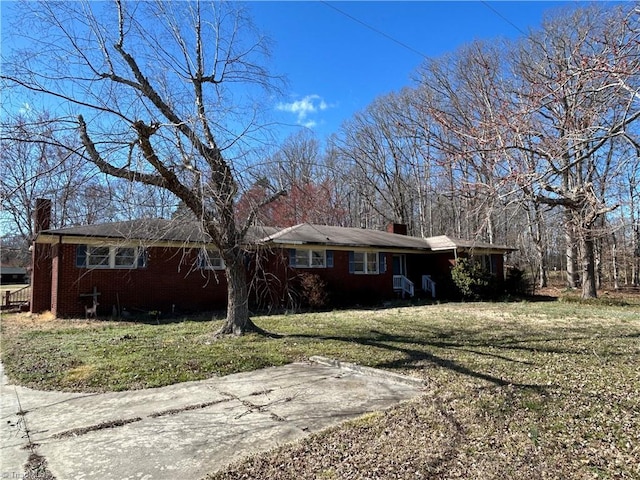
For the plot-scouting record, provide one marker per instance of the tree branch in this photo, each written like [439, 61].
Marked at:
[106, 167]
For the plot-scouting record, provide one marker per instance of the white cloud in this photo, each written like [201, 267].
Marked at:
[25, 109]
[304, 107]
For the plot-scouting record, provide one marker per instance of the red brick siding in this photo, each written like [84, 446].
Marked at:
[170, 278]
[275, 276]
[349, 288]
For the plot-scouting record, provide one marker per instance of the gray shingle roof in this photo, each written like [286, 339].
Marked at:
[151, 229]
[7, 270]
[305, 233]
[444, 242]
[189, 231]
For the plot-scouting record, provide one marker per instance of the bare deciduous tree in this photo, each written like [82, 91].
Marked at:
[579, 86]
[162, 93]
[35, 163]
[377, 150]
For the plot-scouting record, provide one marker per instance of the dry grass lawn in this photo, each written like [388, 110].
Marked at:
[522, 390]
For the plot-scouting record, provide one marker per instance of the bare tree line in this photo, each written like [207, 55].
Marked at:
[531, 143]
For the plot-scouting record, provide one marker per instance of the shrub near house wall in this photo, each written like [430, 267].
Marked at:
[472, 281]
[313, 291]
[517, 282]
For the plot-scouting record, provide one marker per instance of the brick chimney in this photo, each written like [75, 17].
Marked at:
[42, 215]
[397, 228]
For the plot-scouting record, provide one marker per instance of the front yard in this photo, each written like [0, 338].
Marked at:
[515, 390]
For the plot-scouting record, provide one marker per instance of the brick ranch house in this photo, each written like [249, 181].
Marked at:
[169, 266]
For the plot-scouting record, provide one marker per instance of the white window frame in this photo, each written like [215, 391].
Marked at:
[310, 258]
[108, 261]
[211, 259]
[362, 267]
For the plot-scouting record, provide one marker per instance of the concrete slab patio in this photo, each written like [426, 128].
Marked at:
[185, 430]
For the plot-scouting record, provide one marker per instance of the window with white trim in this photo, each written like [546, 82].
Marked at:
[126, 257]
[310, 258]
[98, 257]
[365, 263]
[112, 257]
[211, 260]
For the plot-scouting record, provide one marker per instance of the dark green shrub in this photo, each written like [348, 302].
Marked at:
[472, 281]
[517, 282]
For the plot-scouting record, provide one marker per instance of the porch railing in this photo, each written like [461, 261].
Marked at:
[17, 298]
[403, 284]
[429, 285]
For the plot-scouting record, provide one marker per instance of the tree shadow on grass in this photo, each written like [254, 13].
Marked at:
[461, 340]
[416, 352]
[413, 357]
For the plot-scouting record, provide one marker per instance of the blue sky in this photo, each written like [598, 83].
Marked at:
[336, 66]
[338, 56]
[338, 62]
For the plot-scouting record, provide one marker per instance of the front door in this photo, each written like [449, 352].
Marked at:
[400, 265]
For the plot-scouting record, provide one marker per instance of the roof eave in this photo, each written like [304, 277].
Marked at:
[77, 239]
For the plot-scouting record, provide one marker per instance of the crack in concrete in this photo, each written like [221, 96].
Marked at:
[252, 407]
[197, 406]
[76, 432]
[264, 393]
[36, 466]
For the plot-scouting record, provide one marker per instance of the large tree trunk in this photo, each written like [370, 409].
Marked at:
[543, 281]
[571, 252]
[537, 232]
[635, 261]
[588, 267]
[237, 321]
[598, 262]
[635, 231]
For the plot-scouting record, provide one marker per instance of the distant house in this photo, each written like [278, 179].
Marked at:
[162, 265]
[12, 275]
